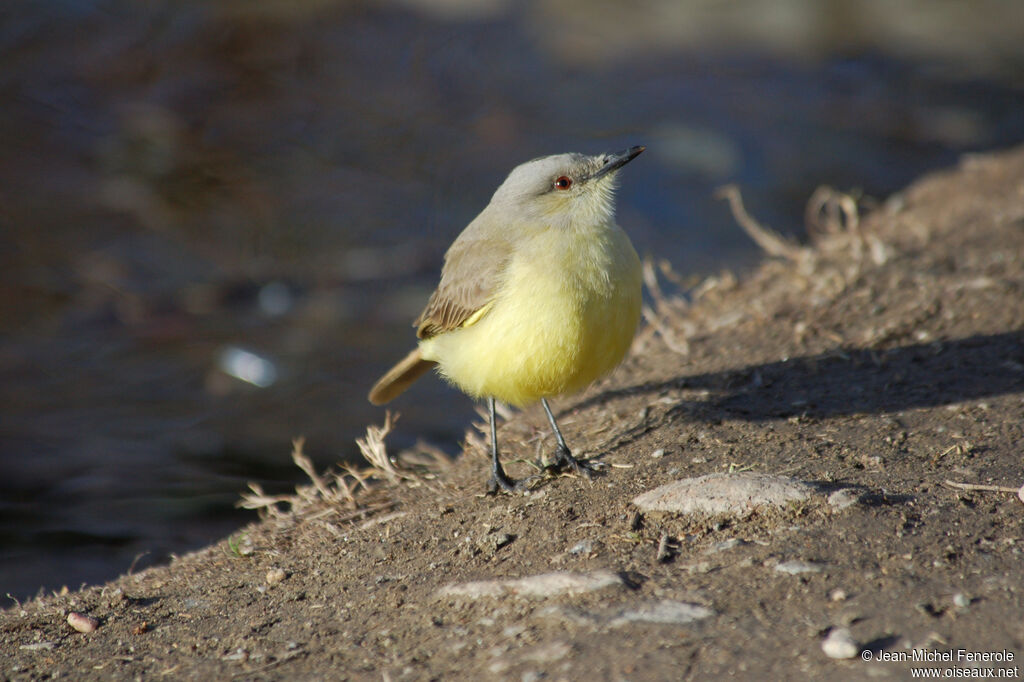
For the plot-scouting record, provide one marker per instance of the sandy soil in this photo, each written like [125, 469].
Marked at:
[887, 360]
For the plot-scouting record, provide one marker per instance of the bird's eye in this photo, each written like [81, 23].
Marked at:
[563, 182]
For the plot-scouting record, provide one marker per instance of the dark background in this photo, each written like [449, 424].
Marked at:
[217, 219]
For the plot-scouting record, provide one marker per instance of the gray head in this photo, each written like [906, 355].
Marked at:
[564, 187]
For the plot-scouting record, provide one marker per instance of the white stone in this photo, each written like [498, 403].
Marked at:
[666, 612]
[82, 622]
[840, 644]
[841, 499]
[537, 586]
[797, 567]
[724, 494]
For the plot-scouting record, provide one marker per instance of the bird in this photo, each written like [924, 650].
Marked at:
[539, 296]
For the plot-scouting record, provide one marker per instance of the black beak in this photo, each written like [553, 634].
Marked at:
[617, 160]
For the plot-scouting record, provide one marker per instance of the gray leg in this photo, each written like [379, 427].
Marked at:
[564, 458]
[499, 479]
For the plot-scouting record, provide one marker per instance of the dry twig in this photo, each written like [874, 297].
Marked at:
[664, 550]
[373, 449]
[770, 241]
[987, 488]
[831, 212]
[667, 317]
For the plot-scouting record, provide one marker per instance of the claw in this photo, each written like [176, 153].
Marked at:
[565, 460]
[505, 483]
[500, 480]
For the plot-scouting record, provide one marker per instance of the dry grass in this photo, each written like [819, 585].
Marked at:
[666, 316]
[344, 495]
[832, 220]
[839, 253]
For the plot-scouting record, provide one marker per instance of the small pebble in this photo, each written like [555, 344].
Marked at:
[82, 623]
[725, 545]
[840, 644]
[275, 575]
[837, 595]
[582, 547]
[841, 499]
[659, 453]
[502, 540]
[961, 600]
[492, 542]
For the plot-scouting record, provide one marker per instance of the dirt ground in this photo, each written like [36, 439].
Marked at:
[887, 359]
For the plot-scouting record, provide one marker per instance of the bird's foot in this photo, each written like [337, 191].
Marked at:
[565, 461]
[500, 480]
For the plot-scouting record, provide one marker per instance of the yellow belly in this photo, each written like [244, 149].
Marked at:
[564, 316]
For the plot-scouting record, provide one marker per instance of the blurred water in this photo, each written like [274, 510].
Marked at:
[217, 220]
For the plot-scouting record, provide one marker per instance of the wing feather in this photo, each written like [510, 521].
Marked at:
[473, 269]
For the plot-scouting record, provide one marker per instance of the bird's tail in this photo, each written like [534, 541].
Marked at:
[399, 378]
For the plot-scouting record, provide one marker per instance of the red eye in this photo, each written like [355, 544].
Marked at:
[563, 182]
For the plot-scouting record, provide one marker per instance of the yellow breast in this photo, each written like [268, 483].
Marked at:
[564, 315]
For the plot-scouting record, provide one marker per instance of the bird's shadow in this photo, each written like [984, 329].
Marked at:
[847, 381]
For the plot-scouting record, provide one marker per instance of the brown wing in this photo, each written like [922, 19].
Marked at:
[473, 268]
